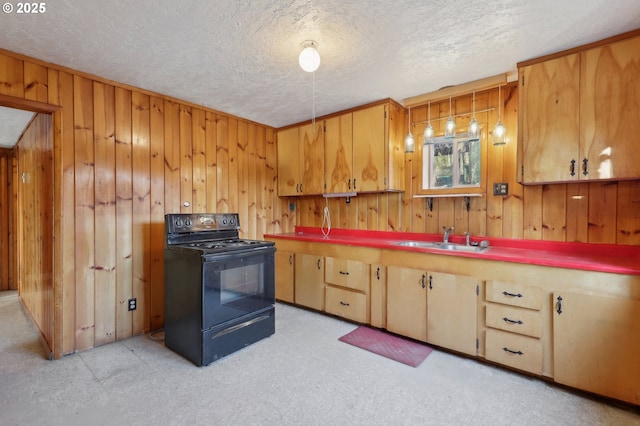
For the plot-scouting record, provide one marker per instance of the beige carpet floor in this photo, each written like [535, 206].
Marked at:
[302, 375]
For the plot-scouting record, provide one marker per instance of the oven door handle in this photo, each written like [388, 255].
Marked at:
[239, 326]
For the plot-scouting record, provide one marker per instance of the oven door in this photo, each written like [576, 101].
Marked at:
[237, 284]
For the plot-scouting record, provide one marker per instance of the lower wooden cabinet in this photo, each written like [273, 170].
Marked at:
[347, 289]
[596, 341]
[348, 304]
[378, 296]
[407, 302]
[514, 320]
[284, 276]
[452, 303]
[309, 281]
[514, 350]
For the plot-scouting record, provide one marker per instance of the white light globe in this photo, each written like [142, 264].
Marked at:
[309, 59]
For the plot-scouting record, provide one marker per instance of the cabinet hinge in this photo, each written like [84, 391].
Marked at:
[385, 113]
[523, 80]
[477, 289]
[477, 343]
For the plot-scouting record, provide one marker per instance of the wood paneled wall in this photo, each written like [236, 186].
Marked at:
[123, 158]
[35, 222]
[596, 212]
[8, 206]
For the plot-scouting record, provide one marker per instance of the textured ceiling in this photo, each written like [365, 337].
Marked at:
[12, 124]
[240, 57]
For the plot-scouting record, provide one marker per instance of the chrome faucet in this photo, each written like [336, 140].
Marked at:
[467, 238]
[447, 231]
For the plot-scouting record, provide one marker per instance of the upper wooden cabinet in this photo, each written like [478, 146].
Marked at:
[301, 160]
[359, 151]
[338, 154]
[578, 114]
[378, 146]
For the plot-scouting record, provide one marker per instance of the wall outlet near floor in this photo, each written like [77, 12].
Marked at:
[501, 188]
[133, 304]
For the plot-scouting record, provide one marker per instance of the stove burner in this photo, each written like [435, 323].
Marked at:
[211, 245]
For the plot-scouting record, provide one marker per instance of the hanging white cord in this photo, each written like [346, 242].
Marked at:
[326, 219]
[313, 104]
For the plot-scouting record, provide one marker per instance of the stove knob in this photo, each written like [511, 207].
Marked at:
[224, 221]
[232, 221]
[187, 222]
[178, 223]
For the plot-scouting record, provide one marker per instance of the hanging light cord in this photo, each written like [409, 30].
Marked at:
[313, 103]
[326, 219]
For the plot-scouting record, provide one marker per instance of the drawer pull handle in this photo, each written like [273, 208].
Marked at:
[512, 352]
[506, 293]
[378, 273]
[505, 319]
[343, 273]
[344, 303]
[422, 281]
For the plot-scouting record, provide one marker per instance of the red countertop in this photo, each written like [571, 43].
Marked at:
[617, 259]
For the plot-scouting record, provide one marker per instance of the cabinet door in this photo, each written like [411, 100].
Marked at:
[338, 145]
[596, 344]
[609, 110]
[369, 140]
[284, 275]
[548, 120]
[309, 281]
[452, 304]
[407, 302]
[288, 162]
[312, 142]
[378, 296]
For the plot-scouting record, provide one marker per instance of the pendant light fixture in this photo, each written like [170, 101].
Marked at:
[499, 131]
[428, 131]
[450, 125]
[409, 142]
[309, 58]
[474, 126]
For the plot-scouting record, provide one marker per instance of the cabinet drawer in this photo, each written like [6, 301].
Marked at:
[516, 320]
[347, 273]
[513, 350]
[514, 294]
[347, 304]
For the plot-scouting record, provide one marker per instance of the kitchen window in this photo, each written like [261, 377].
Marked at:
[452, 166]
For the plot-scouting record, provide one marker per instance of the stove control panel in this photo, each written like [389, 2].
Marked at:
[197, 222]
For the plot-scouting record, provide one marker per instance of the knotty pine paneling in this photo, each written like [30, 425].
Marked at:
[8, 206]
[122, 159]
[35, 223]
[596, 212]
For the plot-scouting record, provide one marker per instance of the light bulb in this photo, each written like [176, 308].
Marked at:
[499, 134]
[309, 58]
[474, 130]
[409, 144]
[450, 128]
[428, 135]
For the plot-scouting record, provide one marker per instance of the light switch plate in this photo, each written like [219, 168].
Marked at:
[501, 188]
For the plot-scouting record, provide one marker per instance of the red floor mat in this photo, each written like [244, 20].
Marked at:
[396, 348]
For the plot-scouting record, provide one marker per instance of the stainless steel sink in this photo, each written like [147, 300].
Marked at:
[445, 246]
